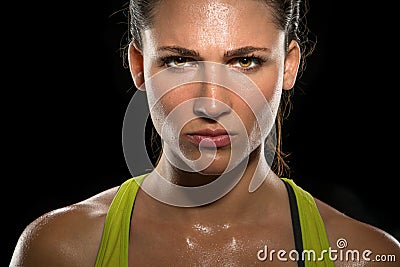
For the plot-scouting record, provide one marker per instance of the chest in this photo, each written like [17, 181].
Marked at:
[153, 244]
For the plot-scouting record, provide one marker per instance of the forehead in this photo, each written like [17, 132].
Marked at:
[213, 22]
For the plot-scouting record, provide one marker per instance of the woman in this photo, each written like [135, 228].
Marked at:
[215, 73]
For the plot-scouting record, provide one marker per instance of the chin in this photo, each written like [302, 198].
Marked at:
[208, 161]
[220, 164]
[214, 169]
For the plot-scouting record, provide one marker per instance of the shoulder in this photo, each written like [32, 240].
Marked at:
[354, 238]
[68, 236]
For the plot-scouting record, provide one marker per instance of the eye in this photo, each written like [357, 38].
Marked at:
[245, 62]
[177, 61]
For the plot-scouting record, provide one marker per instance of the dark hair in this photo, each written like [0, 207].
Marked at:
[289, 15]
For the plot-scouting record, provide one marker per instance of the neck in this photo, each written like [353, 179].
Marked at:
[230, 198]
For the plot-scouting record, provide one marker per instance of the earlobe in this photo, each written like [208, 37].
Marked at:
[135, 58]
[292, 63]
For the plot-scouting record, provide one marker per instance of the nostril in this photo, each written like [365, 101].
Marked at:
[210, 108]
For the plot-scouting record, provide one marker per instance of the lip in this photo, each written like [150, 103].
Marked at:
[210, 138]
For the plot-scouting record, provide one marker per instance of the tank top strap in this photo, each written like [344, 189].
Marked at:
[315, 243]
[114, 244]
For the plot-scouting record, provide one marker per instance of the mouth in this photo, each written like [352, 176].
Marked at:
[210, 138]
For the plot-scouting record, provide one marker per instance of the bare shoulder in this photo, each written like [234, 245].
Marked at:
[366, 244]
[68, 236]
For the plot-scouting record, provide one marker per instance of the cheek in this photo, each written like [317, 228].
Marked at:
[270, 86]
[169, 101]
[171, 111]
[260, 115]
[270, 81]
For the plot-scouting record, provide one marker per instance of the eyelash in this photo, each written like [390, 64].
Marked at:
[258, 61]
[166, 61]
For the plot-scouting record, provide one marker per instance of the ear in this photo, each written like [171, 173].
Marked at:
[135, 59]
[292, 63]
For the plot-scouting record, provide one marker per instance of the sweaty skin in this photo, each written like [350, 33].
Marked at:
[212, 30]
[230, 231]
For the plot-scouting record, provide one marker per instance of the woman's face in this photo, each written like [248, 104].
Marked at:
[210, 119]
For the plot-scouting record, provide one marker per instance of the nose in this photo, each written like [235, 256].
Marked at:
[213, 101]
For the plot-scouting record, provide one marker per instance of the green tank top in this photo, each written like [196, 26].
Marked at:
[113, 251]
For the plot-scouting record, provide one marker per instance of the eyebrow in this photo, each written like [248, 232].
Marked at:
[180, 50]
[242, 51]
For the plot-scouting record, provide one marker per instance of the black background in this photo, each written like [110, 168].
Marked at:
[65, 92]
